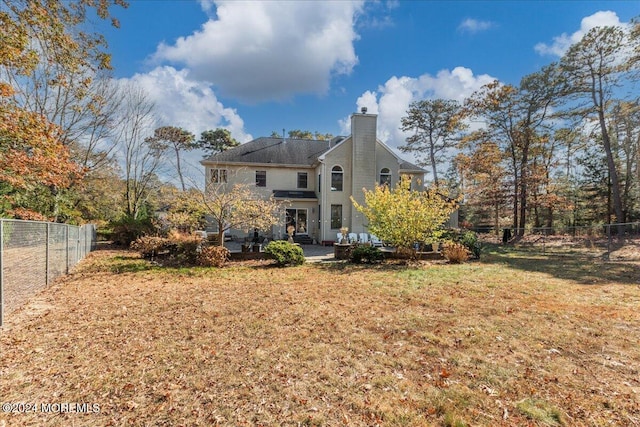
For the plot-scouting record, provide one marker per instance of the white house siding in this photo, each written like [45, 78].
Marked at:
[339, 155]
[279, 177]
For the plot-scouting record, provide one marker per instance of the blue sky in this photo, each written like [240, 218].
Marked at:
[256, 67]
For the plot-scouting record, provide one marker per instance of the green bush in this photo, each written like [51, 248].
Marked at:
[285, 253]
[126, 230]
[366, 255]
[213, 256]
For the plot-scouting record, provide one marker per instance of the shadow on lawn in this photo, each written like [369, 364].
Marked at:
[350, 267]
[581, 268]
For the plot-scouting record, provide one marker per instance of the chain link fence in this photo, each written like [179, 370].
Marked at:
[32, 254]
[608, 241]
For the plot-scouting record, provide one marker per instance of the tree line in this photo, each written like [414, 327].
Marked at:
[561, 148]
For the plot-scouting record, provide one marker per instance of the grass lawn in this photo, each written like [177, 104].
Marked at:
[516, 339]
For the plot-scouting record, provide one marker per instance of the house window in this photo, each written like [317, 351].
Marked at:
[302, 180]
[218, 176]
[319, 182]
[336, 217]
[385, 177]
[261, 178]
[336, 179]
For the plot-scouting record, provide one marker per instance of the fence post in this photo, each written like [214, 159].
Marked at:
[46, 280]
[1, 272]
[66, 248]
[77, 260]
[608, 241]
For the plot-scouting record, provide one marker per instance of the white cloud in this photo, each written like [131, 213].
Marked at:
[207, 5]
[183, 102]
[562, 42]
[391, 100]
[473, 26]
[258, 51]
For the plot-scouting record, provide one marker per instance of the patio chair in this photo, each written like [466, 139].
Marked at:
[375, 241]
[364, 237]
[353, 237]
[339, 237]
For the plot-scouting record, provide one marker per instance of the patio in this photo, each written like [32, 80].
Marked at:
[312, 253]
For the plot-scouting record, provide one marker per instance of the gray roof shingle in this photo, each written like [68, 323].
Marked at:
[274, 150]
[410, 167]
[302, 152]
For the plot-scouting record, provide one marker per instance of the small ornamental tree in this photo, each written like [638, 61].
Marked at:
[238, 207]
[403, 217]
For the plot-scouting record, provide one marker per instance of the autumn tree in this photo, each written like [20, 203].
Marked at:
[516, 118]
[176, 139]
[98, 195]
[185, 211]
[58, 68]
[239, 207]
[49, 63]
[548, 195]
[32, 157]
[403, 217]
[300, 134]
[484, 176]
[435, 125]
[216, 141]
[303, 134]
[322, 136]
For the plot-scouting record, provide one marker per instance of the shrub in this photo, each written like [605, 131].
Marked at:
[471, 242]
[213, 256]
[467, 238]
[128, 229]
[285, 253]
[149, 246]
[455, 253]
[366, 255]
[184, 247]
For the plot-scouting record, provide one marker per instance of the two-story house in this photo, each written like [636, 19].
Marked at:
[315, 178]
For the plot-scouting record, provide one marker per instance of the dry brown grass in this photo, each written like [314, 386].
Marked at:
[497, 342]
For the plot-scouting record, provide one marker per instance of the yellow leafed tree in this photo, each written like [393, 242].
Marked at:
[403, 217]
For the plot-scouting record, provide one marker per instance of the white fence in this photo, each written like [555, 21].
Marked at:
[33, 253]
